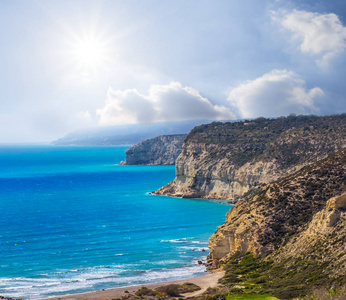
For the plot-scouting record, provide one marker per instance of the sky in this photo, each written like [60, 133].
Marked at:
[72, 64]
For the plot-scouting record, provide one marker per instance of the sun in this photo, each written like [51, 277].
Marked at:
[89, 54]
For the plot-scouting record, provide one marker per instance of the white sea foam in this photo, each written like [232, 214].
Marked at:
[199, 242]
[184, 241]
[192, 248]
[168, 262]
[88, 279]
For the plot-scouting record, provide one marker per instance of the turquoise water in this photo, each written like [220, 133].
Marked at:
[74, 220]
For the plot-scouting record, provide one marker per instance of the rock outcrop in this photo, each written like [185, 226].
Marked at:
[161, 150]
[227, 160]
[295, 228]
[305, 203]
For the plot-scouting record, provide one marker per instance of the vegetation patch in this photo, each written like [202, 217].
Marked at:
[251, 297]
[323, 294]
[144, 291]
[174, 290]
[247, 276]
[188, 287]
[289, 140]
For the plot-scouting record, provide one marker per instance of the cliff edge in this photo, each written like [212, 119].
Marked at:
[226, 160]
[161, 150]
[291, 234]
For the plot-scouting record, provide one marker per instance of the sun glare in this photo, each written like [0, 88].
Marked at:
[89, 54]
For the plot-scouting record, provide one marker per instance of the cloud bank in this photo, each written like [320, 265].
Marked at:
[322, 35]
[277, 93]
[171, 102]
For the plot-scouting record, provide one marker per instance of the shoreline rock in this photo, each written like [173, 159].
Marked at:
[161, 150]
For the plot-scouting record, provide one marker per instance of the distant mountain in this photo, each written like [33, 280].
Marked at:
[126, 134]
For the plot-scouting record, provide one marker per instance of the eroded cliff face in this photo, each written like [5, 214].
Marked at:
[300, 217]
[198, 177]
[322, 243]
[226, 160]
[161, 150]
[325, 231]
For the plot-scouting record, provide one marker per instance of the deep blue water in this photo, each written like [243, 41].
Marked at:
[74, 220]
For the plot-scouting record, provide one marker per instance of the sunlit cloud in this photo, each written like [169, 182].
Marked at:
[321, 35]
[277, 93]
[171, 102]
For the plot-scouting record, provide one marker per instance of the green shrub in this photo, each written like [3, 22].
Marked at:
[188, 287]
[170, 290]
[144, 291]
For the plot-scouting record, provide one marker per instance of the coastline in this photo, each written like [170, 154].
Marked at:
[205, 281]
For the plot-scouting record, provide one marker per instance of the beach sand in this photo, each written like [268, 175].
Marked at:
[210, 280]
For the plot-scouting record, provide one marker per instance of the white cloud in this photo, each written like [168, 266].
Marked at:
[322, 35]
[171, 102]
[277, 93]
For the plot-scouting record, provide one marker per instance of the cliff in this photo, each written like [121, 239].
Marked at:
[291, 234]
[227, 160]
[161, 150]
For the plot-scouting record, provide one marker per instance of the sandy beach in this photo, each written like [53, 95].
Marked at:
[209, 280]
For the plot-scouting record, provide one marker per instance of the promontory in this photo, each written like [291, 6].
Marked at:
[227, 160]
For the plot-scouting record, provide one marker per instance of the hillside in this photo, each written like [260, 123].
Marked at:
[226, 160]
[161, 150]
[290, 238]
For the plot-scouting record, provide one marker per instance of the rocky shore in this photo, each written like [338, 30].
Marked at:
[161, 150]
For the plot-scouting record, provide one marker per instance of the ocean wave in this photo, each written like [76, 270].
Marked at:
[199, 242]
[174, 241]
[186, 241]
[168, 262]
[183, 241]
[82, 280]
[62, 282]
[192, 248]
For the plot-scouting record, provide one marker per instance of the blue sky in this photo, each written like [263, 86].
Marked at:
[68, 64]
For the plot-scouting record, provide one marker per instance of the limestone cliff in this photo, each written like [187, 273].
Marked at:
[323, 239]
[282, 209]
[226, 160]
[161, 150]
[295, 227]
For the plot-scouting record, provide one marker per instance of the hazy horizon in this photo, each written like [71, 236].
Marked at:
[70, 65]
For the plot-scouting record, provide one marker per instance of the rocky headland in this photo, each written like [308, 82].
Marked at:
[229, 160]
[161, 150]
[290, 237]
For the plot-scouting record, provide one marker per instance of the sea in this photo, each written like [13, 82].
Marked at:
[74, 220]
